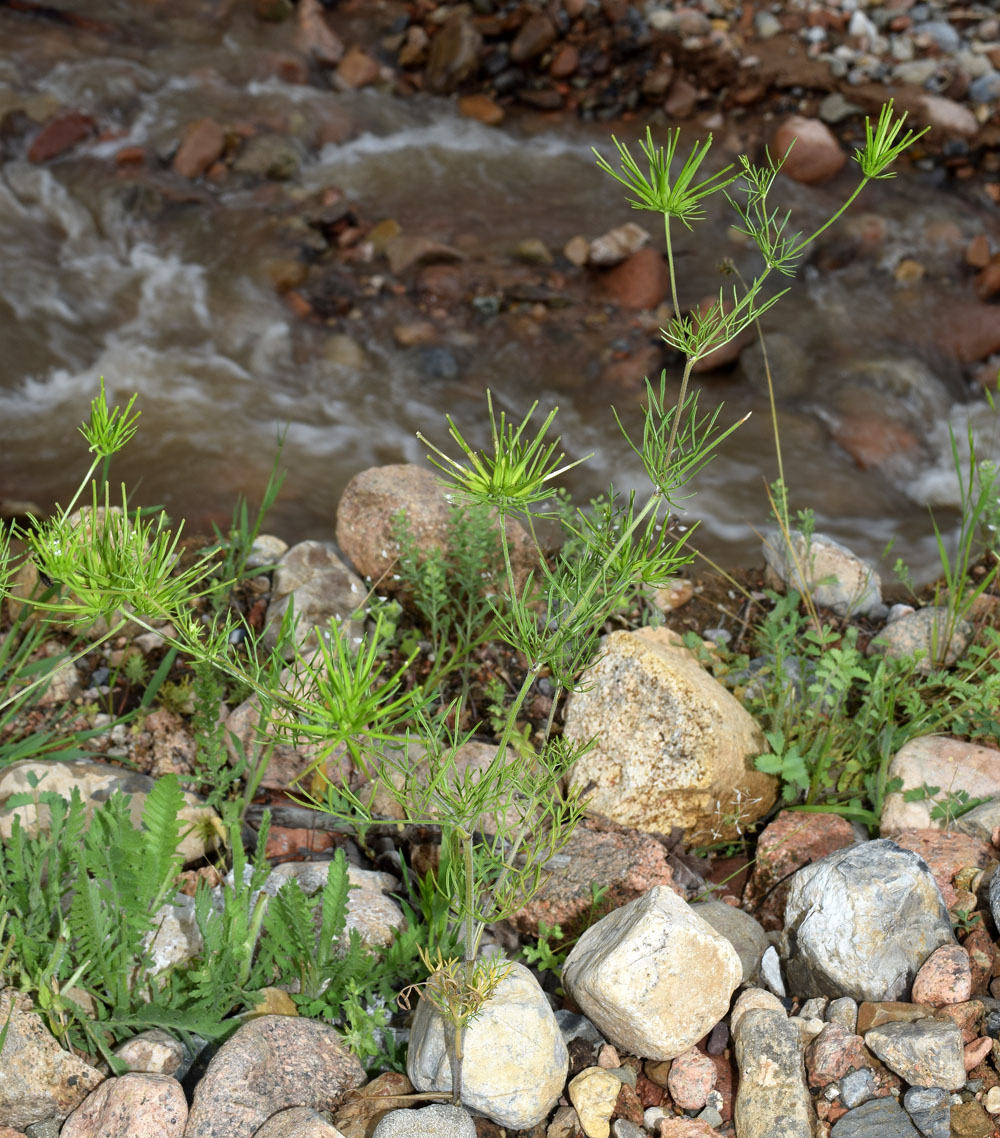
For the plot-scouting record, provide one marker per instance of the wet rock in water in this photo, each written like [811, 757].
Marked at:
[742, 932]
[403, 252]
[934, 637]
[346, 352]
[131, 1106]
[61, 133]
[515, 1061]
[268, 1064]
[481, 108]
[273, 156]
[313, 579]
[631, 862]
[96, 782]
[789, 362]
[615, 246]
[297, 1122]
[439, 1120]
[877, 1118]
[639, 773]
[641, 281]
[652, 976]
[833, 576]
[357, 69]
[815, 154]
[786, 844]
[772, 1100]
[437, 363]
[957, 768]
[692, 1077]
[924, 1053]
[861, 921]
[201, 146]
[38, 1080]
[454, 54]
[969, 331]
[315, 37]
[416, 333]
[876, 443]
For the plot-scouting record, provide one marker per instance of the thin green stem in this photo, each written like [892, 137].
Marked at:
[826, 225]
[670, 264]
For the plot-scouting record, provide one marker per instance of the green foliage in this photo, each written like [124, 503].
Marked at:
[215, 777]
[81, 908]
[450, 588]
[833, 717]
[25, 675]
[948, 806]
[348, 699]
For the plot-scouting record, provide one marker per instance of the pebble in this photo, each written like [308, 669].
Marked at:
[772, 1100]
[439, 1120]
[945, 977]
[925, 1053]
[593, 1093]
[877, 1118]
[692, 1077]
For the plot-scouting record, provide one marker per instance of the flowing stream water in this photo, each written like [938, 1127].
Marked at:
[161, 286]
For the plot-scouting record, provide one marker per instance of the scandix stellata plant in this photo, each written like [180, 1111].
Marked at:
[501, 827]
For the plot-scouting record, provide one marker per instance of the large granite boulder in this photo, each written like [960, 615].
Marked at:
[671, 747]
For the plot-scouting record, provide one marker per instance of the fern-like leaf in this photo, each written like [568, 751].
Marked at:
[161, 825]
[333, 902]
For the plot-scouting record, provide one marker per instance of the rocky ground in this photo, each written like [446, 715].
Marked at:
[833, 984]
[836, 985]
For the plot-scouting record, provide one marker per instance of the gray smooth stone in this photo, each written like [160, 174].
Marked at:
[930, 1110]
[742, 931]
[439, 1120]
[857, 1087]
[861, 921]
[925, 1053]
[878, 1118]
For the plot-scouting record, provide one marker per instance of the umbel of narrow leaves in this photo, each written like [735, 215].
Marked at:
[518, 473]
[681, 198]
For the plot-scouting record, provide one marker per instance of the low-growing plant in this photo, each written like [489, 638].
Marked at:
[833, 717]
[450, 587]
[83, 902]
[365, 718]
